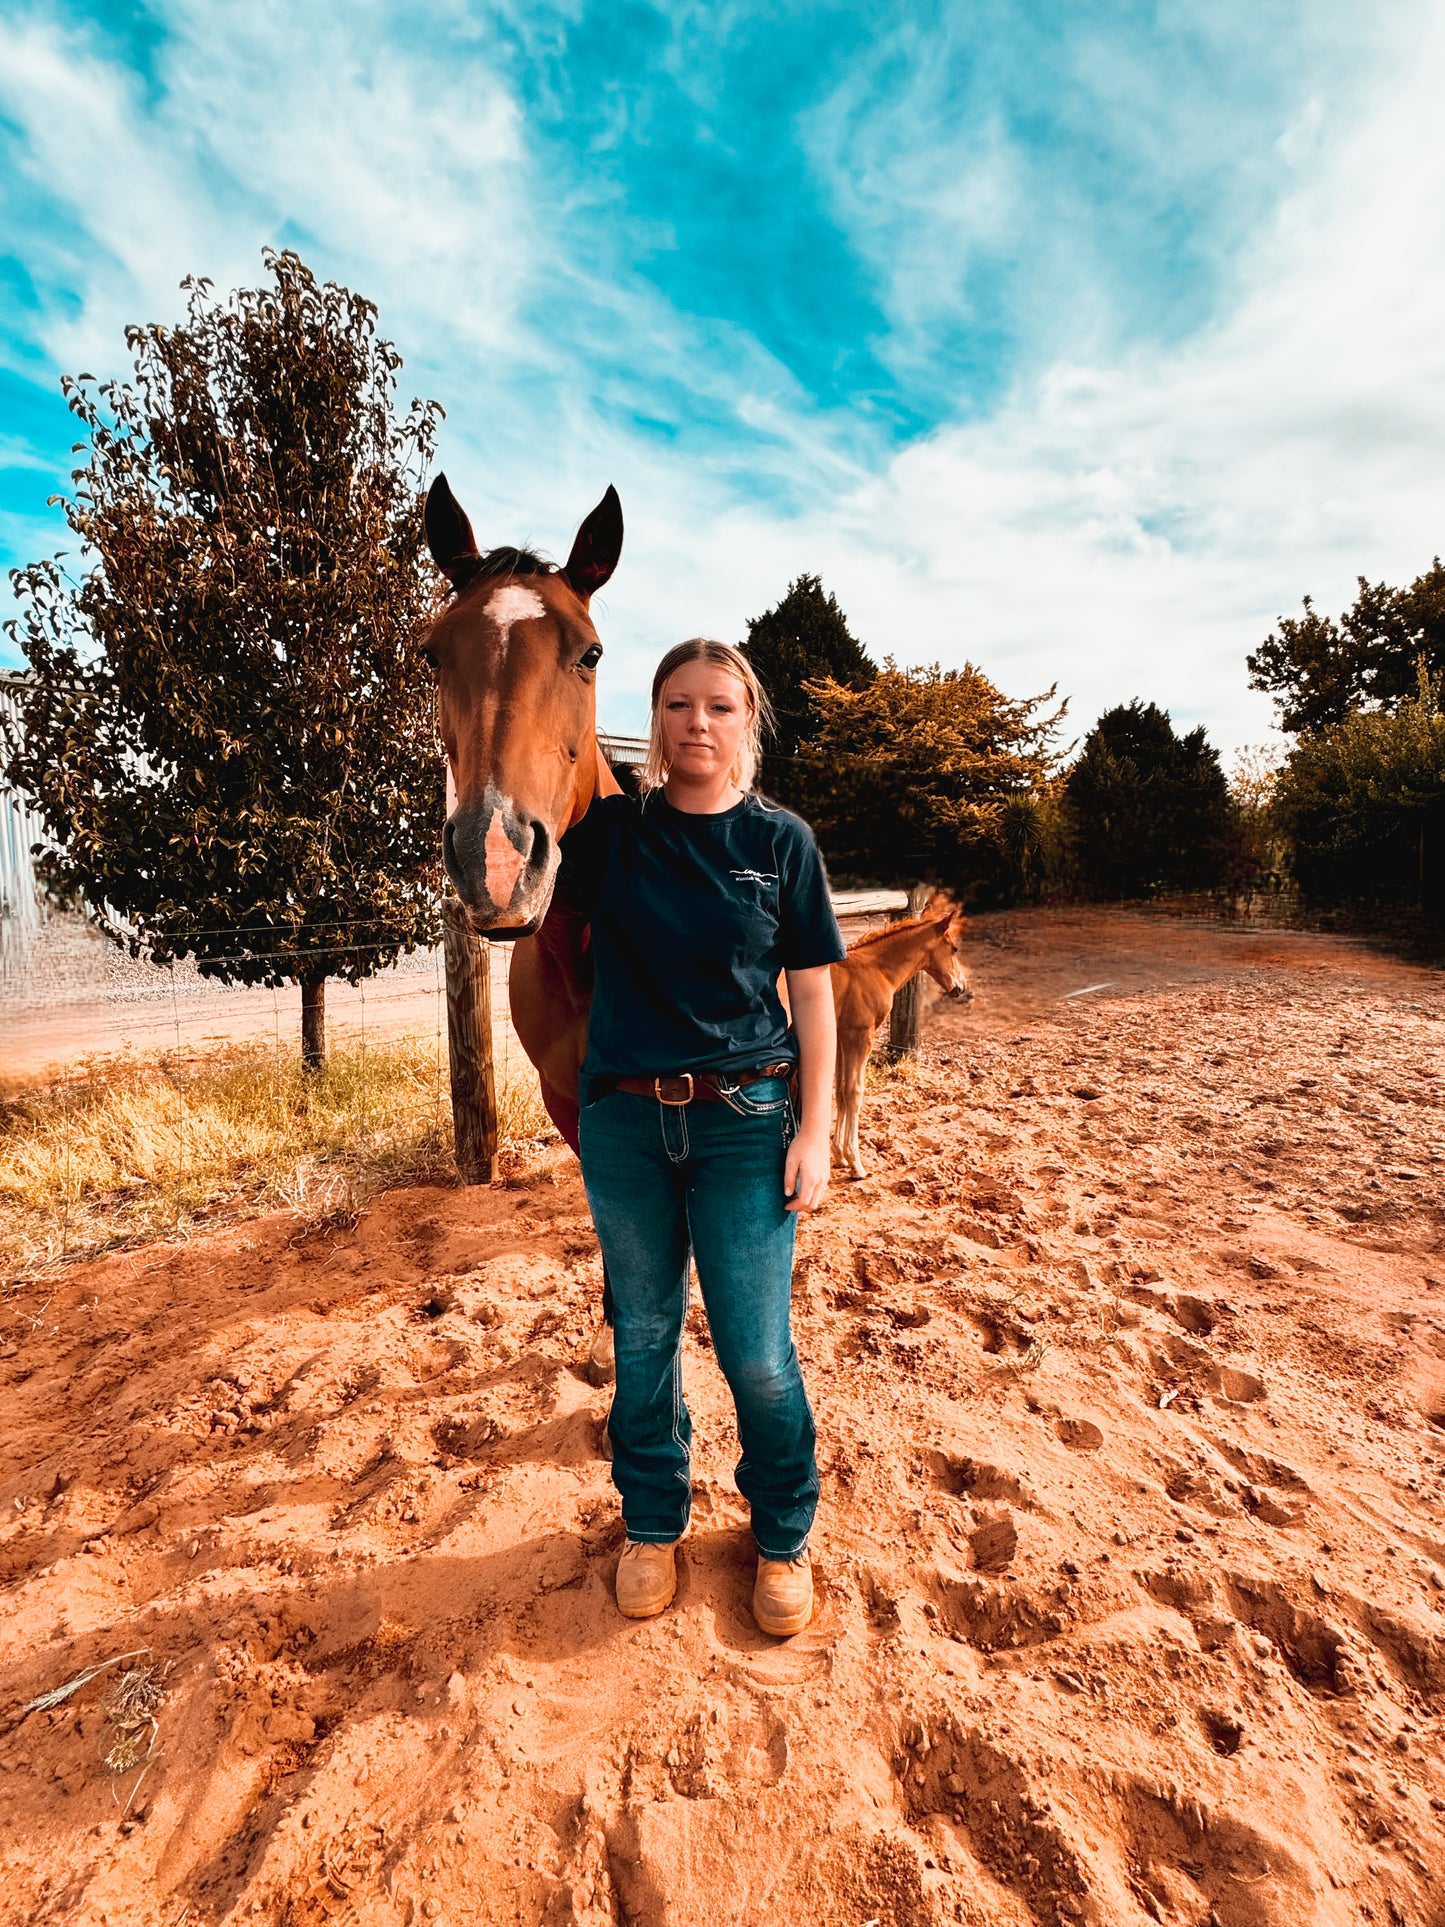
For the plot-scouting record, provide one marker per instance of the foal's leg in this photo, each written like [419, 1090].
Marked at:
[852, 1062]
[855, 1105]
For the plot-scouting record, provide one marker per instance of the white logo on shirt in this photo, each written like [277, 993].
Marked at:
[754, 876]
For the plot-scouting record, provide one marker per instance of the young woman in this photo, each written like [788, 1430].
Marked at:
[700, 895]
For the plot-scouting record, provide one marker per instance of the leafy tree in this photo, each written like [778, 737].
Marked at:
[228, 735]
[1363, 805]
[1258, 856]
[1146, 810]
[1318, 670]
[926, 772]
[805, 638]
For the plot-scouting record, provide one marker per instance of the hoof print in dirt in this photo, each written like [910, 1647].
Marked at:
[992, 1545]
[966, 1478]
[1193, 1314]
[998, 1825]
[1079, 1434]
[1223, 1731]
[1240, 1388]
[1310, 1647]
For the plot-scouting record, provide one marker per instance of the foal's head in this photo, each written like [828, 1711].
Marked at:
[516, 659]
[941, 959]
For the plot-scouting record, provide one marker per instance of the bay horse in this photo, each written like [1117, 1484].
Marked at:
[864, 986]
[516, 658]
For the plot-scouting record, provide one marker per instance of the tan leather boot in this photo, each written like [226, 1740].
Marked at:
[783, 1595]
[646, 1579]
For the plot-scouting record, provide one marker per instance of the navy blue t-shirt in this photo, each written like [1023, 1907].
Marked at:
[692, 918]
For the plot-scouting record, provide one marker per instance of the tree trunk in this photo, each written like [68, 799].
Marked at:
[907, 1008]
[469, 1042]
[313, 1023]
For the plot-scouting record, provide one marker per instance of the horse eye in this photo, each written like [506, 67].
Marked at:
[430, 656]
[590, 658]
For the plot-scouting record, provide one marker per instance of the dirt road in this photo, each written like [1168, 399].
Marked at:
[1129, 1361]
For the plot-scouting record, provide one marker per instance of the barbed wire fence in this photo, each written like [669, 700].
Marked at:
[169, 1030]
[170, 1024]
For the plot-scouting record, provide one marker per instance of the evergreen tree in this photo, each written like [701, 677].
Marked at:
[1319, 670]
[229, 735]
[1147, 810]
[805, 638]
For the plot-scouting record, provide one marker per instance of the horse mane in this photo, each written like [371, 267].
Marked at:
[506, 561]
[888, 930]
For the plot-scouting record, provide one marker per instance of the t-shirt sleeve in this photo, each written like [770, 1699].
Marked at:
[808, 934]
[584, 863]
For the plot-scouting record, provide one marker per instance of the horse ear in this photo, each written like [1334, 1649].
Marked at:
[449, 534]
[597, 547]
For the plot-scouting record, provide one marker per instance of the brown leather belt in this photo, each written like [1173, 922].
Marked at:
[695, 1087]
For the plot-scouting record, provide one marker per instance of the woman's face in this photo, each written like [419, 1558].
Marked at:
[704, 718]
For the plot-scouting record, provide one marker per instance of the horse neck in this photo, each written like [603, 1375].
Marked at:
[900, 953]
[594, 779]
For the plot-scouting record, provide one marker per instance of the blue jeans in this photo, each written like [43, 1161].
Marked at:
[704, 1180]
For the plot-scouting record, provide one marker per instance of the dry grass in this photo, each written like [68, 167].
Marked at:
[133, 1148]
[889, 1073]
[130, 1715]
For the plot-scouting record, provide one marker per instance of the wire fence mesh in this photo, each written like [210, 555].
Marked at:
[141, 1100]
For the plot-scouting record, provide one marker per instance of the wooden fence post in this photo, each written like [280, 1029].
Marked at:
[908, 1004]
[469, 1045]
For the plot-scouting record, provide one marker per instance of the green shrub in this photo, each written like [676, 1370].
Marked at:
[1363, 805]
[933, 773]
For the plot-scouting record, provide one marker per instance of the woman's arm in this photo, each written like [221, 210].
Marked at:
[805, 1174]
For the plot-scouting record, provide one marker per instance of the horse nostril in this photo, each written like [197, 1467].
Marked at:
[541, 844]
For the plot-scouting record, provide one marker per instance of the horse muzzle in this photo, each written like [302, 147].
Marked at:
[502, 861]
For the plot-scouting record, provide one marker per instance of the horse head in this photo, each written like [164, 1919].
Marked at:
[516, 659]
[941, 959]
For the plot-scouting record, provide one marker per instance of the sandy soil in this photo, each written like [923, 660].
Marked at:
[1129, 1360]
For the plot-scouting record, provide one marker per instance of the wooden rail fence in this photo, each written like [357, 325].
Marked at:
[469, 1045]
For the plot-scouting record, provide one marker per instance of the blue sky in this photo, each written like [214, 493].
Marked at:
[1078, 340]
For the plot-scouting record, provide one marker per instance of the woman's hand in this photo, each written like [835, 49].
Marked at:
[806, 1170]
[809, 1160]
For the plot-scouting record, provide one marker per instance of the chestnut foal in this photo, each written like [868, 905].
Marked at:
[864, 986]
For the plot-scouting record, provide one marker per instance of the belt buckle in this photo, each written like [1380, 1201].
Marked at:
[676, 1102]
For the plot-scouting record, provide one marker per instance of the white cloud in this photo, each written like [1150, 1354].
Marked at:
[266, 122]
[1130, 520]
[1135, 526]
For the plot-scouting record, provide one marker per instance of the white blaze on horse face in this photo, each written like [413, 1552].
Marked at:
[513, 603]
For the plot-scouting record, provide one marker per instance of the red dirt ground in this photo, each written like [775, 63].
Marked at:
[1129, 1361]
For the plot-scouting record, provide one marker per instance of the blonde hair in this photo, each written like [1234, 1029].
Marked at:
[721, 655]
